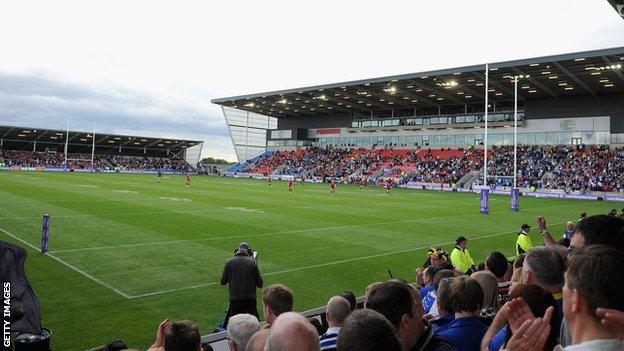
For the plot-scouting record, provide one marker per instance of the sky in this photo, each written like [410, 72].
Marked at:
[150, 68]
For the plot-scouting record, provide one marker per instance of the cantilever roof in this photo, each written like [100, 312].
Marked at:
[583, 73]
[19, 137]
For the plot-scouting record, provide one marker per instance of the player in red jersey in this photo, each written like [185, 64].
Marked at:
[302, 179]
[388, 186]
[291, 184]
[332, 187]
[270, 181]
[187, 181]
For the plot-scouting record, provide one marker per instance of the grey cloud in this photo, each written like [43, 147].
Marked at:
[37, 101]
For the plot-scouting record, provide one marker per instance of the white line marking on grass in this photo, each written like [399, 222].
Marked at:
[87, 275]
[247, 236]
[326, 264]
[123, 191]
[87, 186]
[176, 199]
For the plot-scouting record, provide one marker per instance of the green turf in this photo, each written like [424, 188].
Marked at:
[143, 239]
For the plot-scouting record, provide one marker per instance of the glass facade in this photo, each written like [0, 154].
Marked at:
[436, 119]
[248, 131]
[458, 140]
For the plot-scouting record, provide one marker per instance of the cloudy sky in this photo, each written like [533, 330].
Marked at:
[151, 67]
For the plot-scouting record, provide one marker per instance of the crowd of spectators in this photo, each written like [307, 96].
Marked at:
[552, 297]
[12, 158]
[566, 167]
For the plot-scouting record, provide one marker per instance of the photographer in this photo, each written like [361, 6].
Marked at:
[242, 274]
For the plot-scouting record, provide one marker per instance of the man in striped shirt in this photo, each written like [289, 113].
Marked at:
[337, 310]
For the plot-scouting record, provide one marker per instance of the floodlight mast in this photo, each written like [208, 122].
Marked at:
[485, 138]
[515, 167]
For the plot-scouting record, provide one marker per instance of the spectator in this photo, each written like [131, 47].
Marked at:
[258, 340]
[290, 331]
[460, 256]
[497, 264]
[466, 330]
[599, 229]
[490, 307]
[336, 312]
[516, 279]
[569, 231]
[525, 300]
[428, 275]
[400, 304]
[177, 336]
[523, 242]
[240, 329]
[429, 302]
[519, 261]
[368, 330]
[583, 293]
[276, 300]
[242, 274]
[544, 266]
[368, 289]
[350, 296]
[445, 310]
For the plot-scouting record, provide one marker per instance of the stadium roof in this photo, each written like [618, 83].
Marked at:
[18, 137]
[582, 73]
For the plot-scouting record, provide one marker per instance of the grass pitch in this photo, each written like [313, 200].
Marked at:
[127, 252]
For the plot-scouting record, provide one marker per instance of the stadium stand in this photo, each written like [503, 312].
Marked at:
[44, 149]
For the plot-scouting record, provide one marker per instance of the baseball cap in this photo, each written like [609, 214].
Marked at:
[460, 239]
[243, 246]
[525, 226]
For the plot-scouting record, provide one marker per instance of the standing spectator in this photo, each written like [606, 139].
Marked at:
[368, 330]
[466, 330]
[569, 231]
[242, 274]
[460, 256]
[336, 312]
[177, 336]
[497, 264]
[291, 331]
[429, 302]
[276, 300]
[523, 242]
[258, 340]
[599, 229]
[399, 303]
[544, 266]
[240, 329]
[350, 296]
[490, 307]
[428, 275]
[445, 310]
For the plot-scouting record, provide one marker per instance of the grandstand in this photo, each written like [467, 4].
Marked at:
[426, 129]
[45, 149]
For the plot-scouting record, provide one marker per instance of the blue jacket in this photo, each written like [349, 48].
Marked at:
[464, 333]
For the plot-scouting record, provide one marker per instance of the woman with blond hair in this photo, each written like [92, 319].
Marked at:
[489, 284]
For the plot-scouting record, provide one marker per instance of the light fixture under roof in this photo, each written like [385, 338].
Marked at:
[414, 101]
[604, 81]
[563, 84]
[568, 88]
[579, 59]
[409, 86]
[534, 65]
[418, 90]
[460, 93]
[532, 91]
[390, 90]
[471, 80]
[595, 73]
[448, 84]
[546, 72]
[553, 77]
[498, 94]
[53, 137]
[479, 84]
[608, 85]
[468, 96]
[440, 99]
[282, 101]
[431, 95]
[249, 104]
[21, 135]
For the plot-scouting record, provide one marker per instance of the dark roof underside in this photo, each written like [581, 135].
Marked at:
[583, 73]
[20, 137]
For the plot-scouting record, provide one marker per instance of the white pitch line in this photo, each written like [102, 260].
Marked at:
[324, 264]
[247, 236]
[89, 276]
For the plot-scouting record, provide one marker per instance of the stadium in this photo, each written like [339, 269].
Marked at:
[466, 192]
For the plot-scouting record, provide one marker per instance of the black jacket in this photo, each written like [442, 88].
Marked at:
[243, 275]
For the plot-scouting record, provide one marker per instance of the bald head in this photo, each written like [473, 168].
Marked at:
[257, 341]
[292, 332]
[338, 308]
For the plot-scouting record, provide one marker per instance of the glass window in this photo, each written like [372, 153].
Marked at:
[552, 138]
[540, 138]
